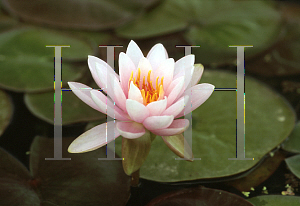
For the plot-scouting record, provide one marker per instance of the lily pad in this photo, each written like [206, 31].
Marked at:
[275, 200]
[83, 14]
[292, 144]
[269, 120]
[294, 164]
[6, 110]
[27, 64]
[73, 109]
[82, 180]
[14, 187]
[213, 25]
[199, 196]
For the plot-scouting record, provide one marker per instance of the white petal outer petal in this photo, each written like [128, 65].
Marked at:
[134, 53]
[158, 122]
[183, 63]
[199, 94]
[157, 55]
[134, 93]
[165, 70]
[100, 80]
[198, 71]
[175, 91]
[117, 94]
[108, 106]
[126, 66]
[83, 92]
[137, 111]
[93, 138]
[177, 107]
[157, 107]
[177, 127]
[130, 130]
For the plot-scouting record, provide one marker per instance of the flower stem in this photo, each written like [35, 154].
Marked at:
[135, 178]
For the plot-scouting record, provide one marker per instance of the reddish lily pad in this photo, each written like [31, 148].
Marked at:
[275, 200]
[14, 187]
[199, 196]
[83, 14]
[6, 110]
[292, 144]
[27, 64]
[73, 109]
[269, 120]
[83, 180]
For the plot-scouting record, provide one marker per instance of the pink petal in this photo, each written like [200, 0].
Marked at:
[134, 53]
[126, 66]
[93, 138]
[177, 127]
[198, 94]
[157, 107]
[158, 122]
[157, 55]
[137, 111]
[175, 91]
[198, 71]
[95, 64]
[134, 93]
[116, 93]
[183, 63]
[131, 130]
[177, 107]
[83, 92]
[187, 80]
[107, 106]
[165, 70]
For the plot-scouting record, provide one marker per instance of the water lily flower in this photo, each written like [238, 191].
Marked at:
[145, 99]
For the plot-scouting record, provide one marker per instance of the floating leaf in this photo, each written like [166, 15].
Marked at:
[83, 180]
[274, 200]
[27, 64]
[199, 196]
[294, 164]
[6, 111]
[260, 174]
[212, 25]
[269, 120]
[83, 14]
[292, 144]
[14, 187]
[73, 109]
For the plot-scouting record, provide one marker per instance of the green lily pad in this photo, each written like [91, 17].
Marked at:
[294, 164]
[214, 25]
[275, 200]
[199, 196]
[269, 120]
[73, 109]
[292, 144]
[6, 111]
[82, 14]
[27, 64]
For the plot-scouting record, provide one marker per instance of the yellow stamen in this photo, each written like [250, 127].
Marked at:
[148, 93]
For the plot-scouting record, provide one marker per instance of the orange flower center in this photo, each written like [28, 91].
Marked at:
[149, 93]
